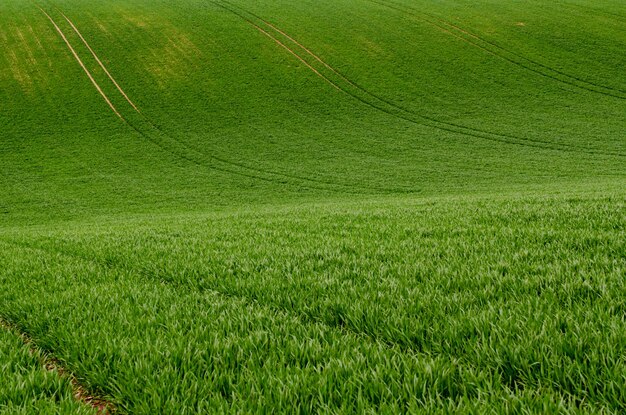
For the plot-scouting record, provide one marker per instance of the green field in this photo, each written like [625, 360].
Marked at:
[348, 206]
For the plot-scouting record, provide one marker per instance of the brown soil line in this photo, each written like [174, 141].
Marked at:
[307, 50]
[51, 364]
[304, 48]
[93, 81]
[119, 88]
[296, 55]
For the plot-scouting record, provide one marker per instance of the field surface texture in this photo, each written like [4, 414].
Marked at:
[316, 206]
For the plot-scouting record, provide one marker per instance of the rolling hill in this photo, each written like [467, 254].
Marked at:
[315, 206]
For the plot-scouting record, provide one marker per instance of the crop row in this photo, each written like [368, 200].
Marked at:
[368, 308]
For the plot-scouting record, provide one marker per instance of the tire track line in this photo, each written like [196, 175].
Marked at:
[400, 112]
[80, 393]
[296, 55]
[148, 275]
[100, 62]
[199, 158]
[549, 68]
[317, 58]
[547, 144]
[420, 15]
[143, 134]
[571, 80]
[196, 157]
[393, 105]
[82, 65]
[595, 10]
[344, 78]
[307, 50]
[349, 188]
[224, 161]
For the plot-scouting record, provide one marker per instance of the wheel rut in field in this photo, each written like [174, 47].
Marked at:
[147, 129]
[342, 324]
[82, 65]
[194, 156]
[505, 54]
[595, 10]
[119, 88]
[345, 85]
[53, 365]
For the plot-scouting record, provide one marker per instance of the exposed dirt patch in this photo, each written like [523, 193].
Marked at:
[51, 364]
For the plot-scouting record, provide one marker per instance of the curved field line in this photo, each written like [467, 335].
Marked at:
[413, 12]
[82, 65]
[594, 9]
[570, 79]
[194, 156]
[100, 62]
[549, 68]
[198, 158]
[177, 154]
[251, 298]
[333, 186]
[79, 392]
[188, 148]
[427, 118]
[295, 54]
[404, 113]
[311, 183]
[351, 187]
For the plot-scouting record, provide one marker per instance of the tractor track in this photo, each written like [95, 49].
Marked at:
[381, 104]
[476, 40]
[119, 88]
[51, 364]
[82, 65]
[199, 158]
[351, 189]
[596, 10]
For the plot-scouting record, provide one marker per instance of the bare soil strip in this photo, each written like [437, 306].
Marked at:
[313, 55]
[296, 55]
[93, 81]
[119, 88]
[80, 393]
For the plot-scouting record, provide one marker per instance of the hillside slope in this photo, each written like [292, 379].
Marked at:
[352, 206]
[215, 103]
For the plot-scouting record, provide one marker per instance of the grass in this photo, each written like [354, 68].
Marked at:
[362, 206]
[27, 387]
[387, 303]
[236, 130]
